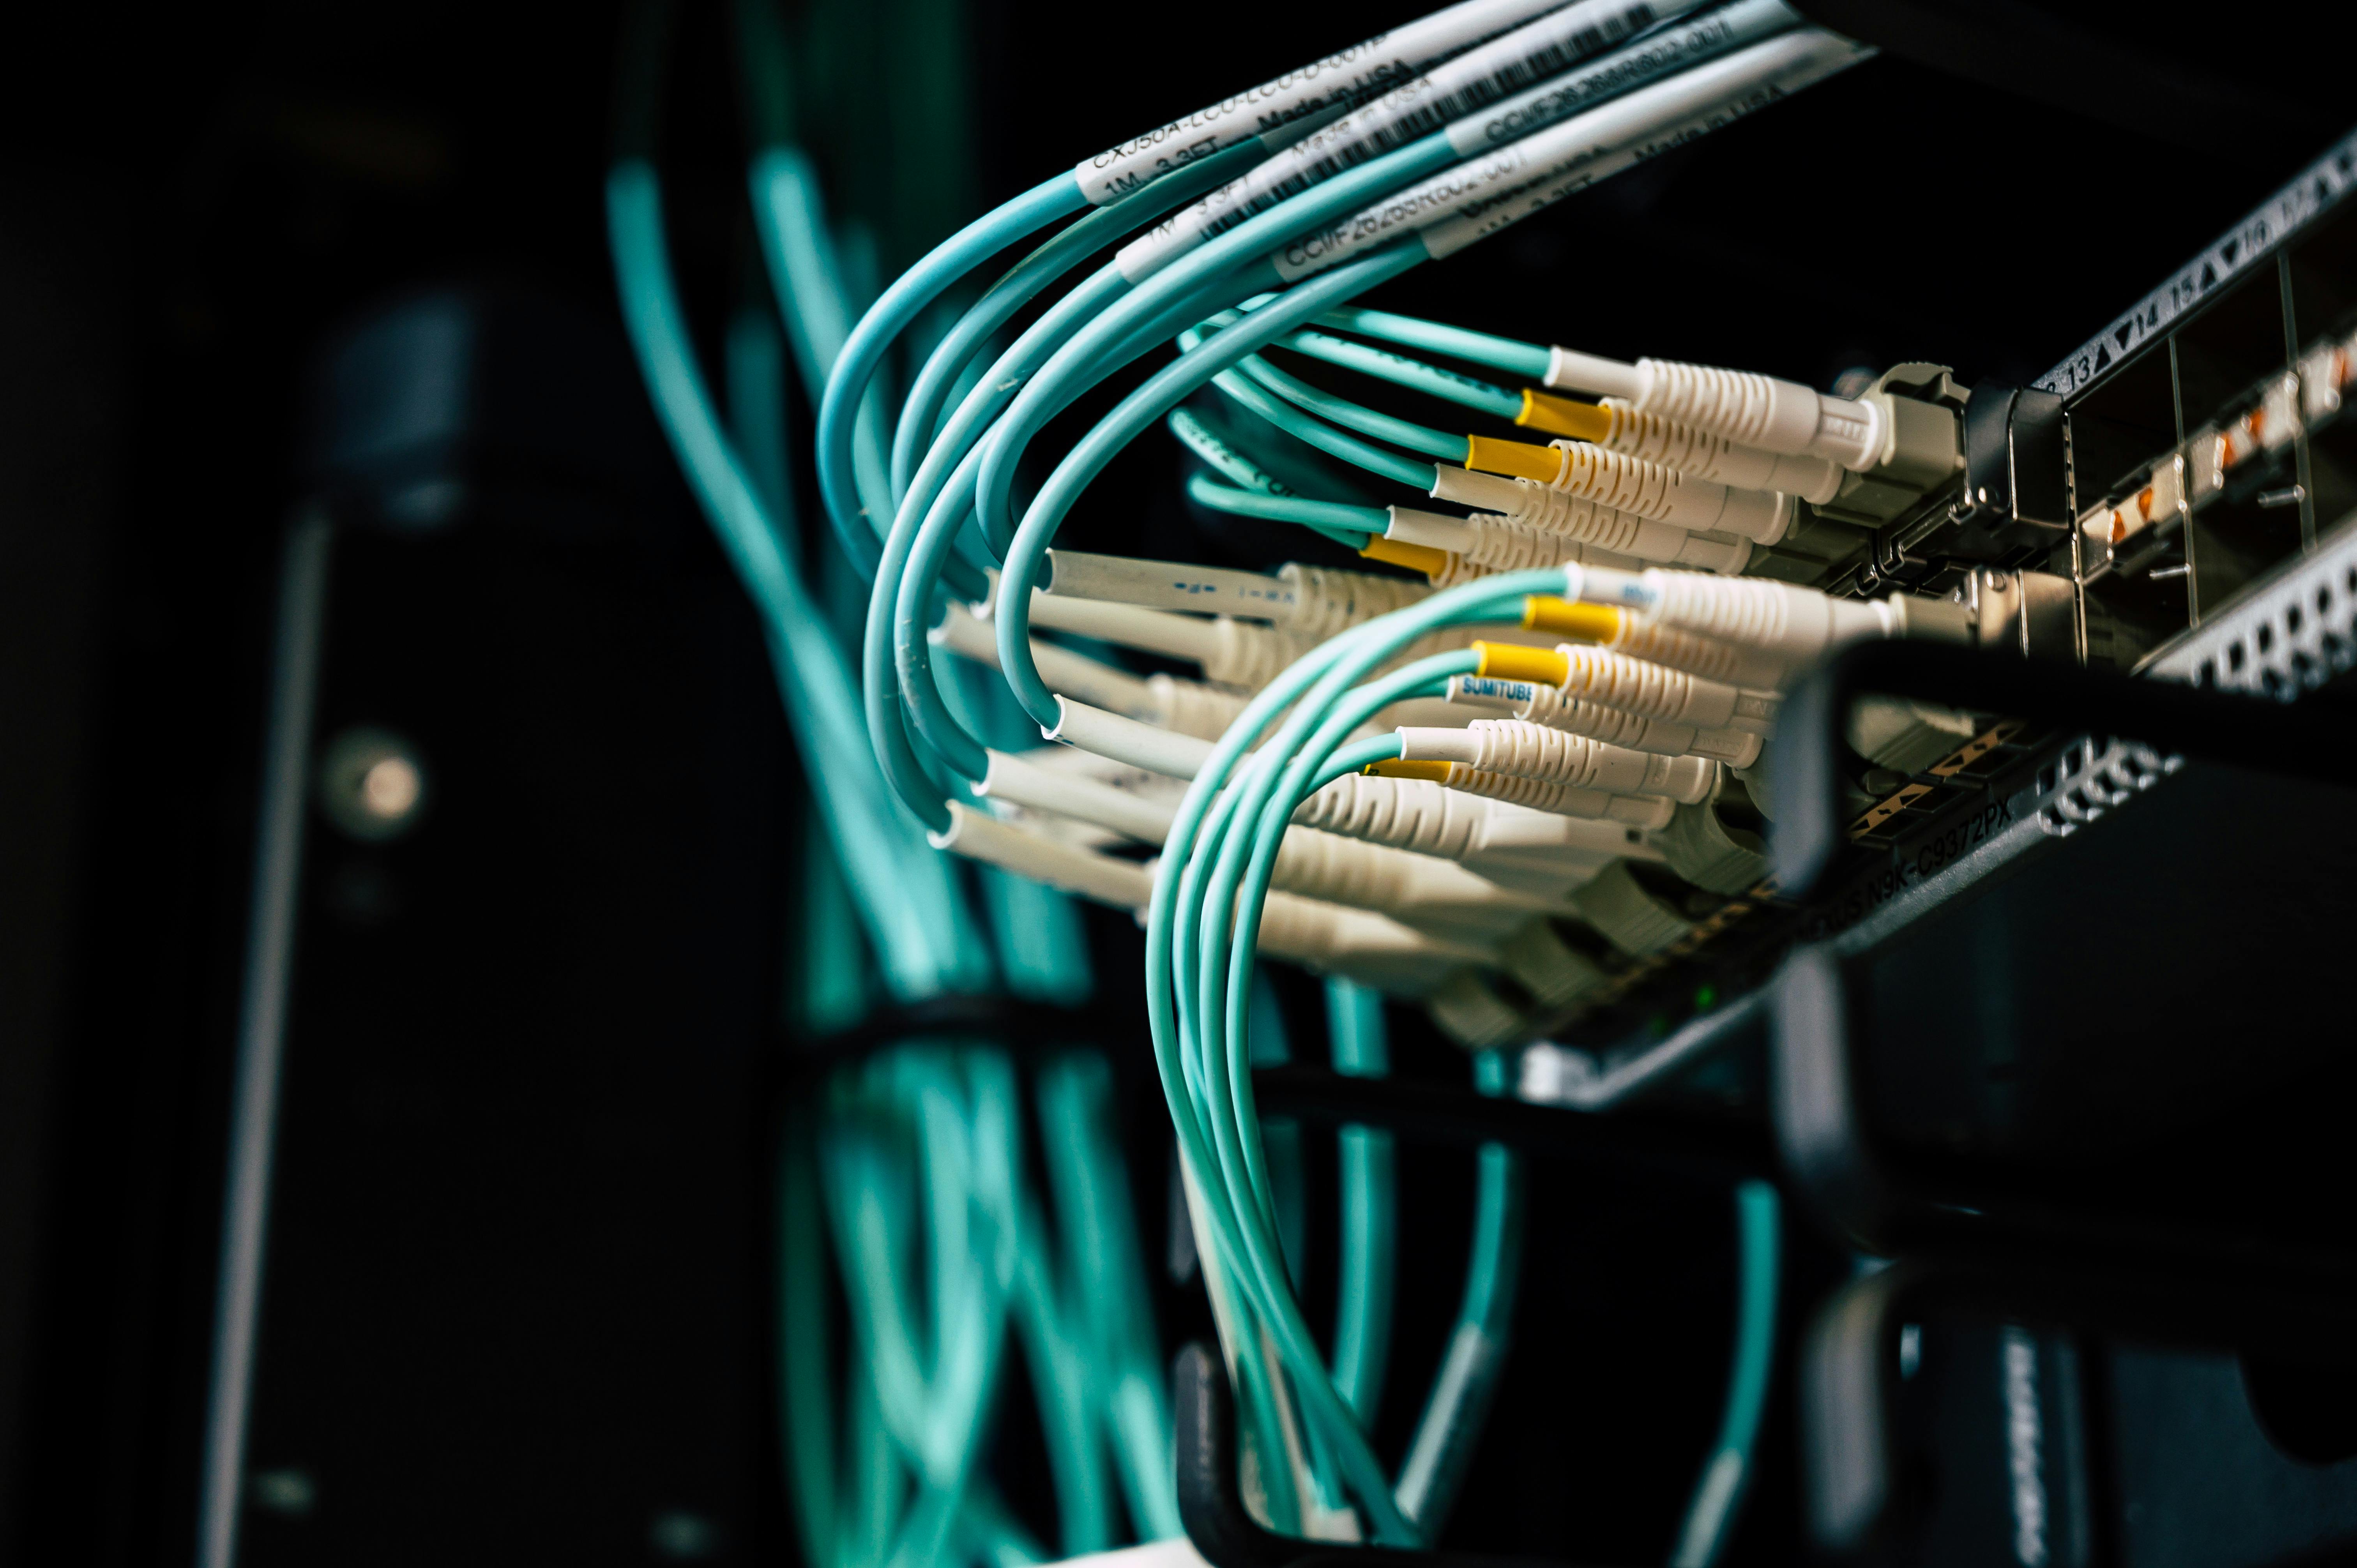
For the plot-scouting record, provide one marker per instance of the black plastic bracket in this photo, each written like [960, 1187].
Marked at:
[1212, 1507]
[2017, 490]
[1849, 1373]
[2247, 731]
[1440, 1113]
[1817, 1092]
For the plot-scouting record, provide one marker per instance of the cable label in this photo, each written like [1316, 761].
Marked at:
[1346, 74]
[1484, 195]
[2317, 187]
[1672, 50]
[1339, 80]
[1414, 108]
[1820, 54]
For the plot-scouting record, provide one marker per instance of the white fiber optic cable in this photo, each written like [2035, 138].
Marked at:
[1322, 87]
[1415, 108]
[1122, 738]
[1358, 942]
[1434, 712]
[1171, 586]
[1020, 781]
[1317, 601]
[1231, 652]
[1460, 205]
[1536, 851]
[1423, 891]
[1164, 700]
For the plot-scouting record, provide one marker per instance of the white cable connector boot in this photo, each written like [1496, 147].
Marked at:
[1782, 624]
[1557, 800]
[1589, 522]
[1779, 416]
[1550, 705]
[1645, 488]
[1529, 750]
[1631, 684]
[1635, 637]
[1543, 853]
[1764, 411]
[1705, 455]
[1482, 545]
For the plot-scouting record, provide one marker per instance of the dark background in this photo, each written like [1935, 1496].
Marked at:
[557, 1218]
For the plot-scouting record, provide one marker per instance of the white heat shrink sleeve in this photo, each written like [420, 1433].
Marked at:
[1485, 194]
[1726, 662]
[1420, 890]
[1536, 50]
[1529, 750]
[1373, 949]
[1334, 82]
